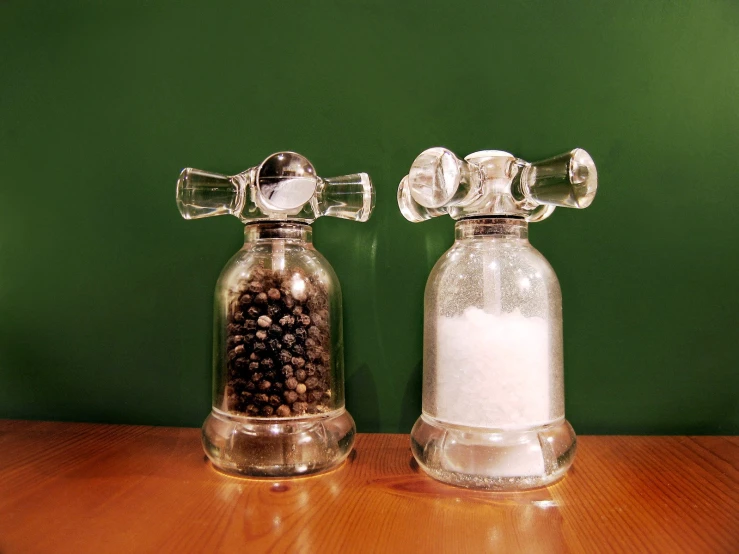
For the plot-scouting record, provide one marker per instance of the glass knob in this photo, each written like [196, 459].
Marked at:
[412, 210]
[203, 194]
[346, 197]
[434, 177]
[569, 180]
[285, 182]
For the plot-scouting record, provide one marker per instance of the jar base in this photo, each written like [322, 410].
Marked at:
[260, 447]
[493, 459]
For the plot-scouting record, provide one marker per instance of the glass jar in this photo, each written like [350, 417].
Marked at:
[493, 391]
[278, 363]
[493, 395]
[278, 352]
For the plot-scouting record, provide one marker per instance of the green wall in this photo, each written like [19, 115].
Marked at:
[106, 293]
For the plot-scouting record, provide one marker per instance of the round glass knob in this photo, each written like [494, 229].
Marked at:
[286, 181]
[434, 177]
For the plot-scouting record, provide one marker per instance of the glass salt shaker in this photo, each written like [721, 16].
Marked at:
[278, 360]
[493, 392]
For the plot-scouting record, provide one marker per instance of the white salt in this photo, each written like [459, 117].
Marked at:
[492, 370]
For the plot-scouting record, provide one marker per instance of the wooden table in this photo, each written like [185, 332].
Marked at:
[71, 487]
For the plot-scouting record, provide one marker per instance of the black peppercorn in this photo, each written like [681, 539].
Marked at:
[298, 350]
[300, 407]
[239, 350]
[264, 321]
[285, 356]
[283, 411]
[256, 287]
[315, 395]
[311, 382]
[238, 317]
[287, 321]
[287, 371]
[300, 375]
[290, 396]
[261, 398]
[275, 400]
[261, 334]
[298, 363]
[273, 311]
[288, 339]
[253, 312]
[291, 383]
[273, 294]
[250, 325]
[301, 334]
[246, 299]
[268, 410]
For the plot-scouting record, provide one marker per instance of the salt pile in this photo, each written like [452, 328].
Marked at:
[492, 370]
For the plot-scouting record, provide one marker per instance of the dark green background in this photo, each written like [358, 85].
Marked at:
[106, 293]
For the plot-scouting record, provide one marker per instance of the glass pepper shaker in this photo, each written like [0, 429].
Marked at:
[278, 360]
[493, 392]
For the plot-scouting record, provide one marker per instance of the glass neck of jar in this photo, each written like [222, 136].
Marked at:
[493, 227]
[273, 230]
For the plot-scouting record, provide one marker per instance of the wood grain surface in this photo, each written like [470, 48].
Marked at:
[70, 487]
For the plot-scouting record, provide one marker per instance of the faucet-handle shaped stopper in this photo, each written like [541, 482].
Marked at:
[284, 186]
[495, 183]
